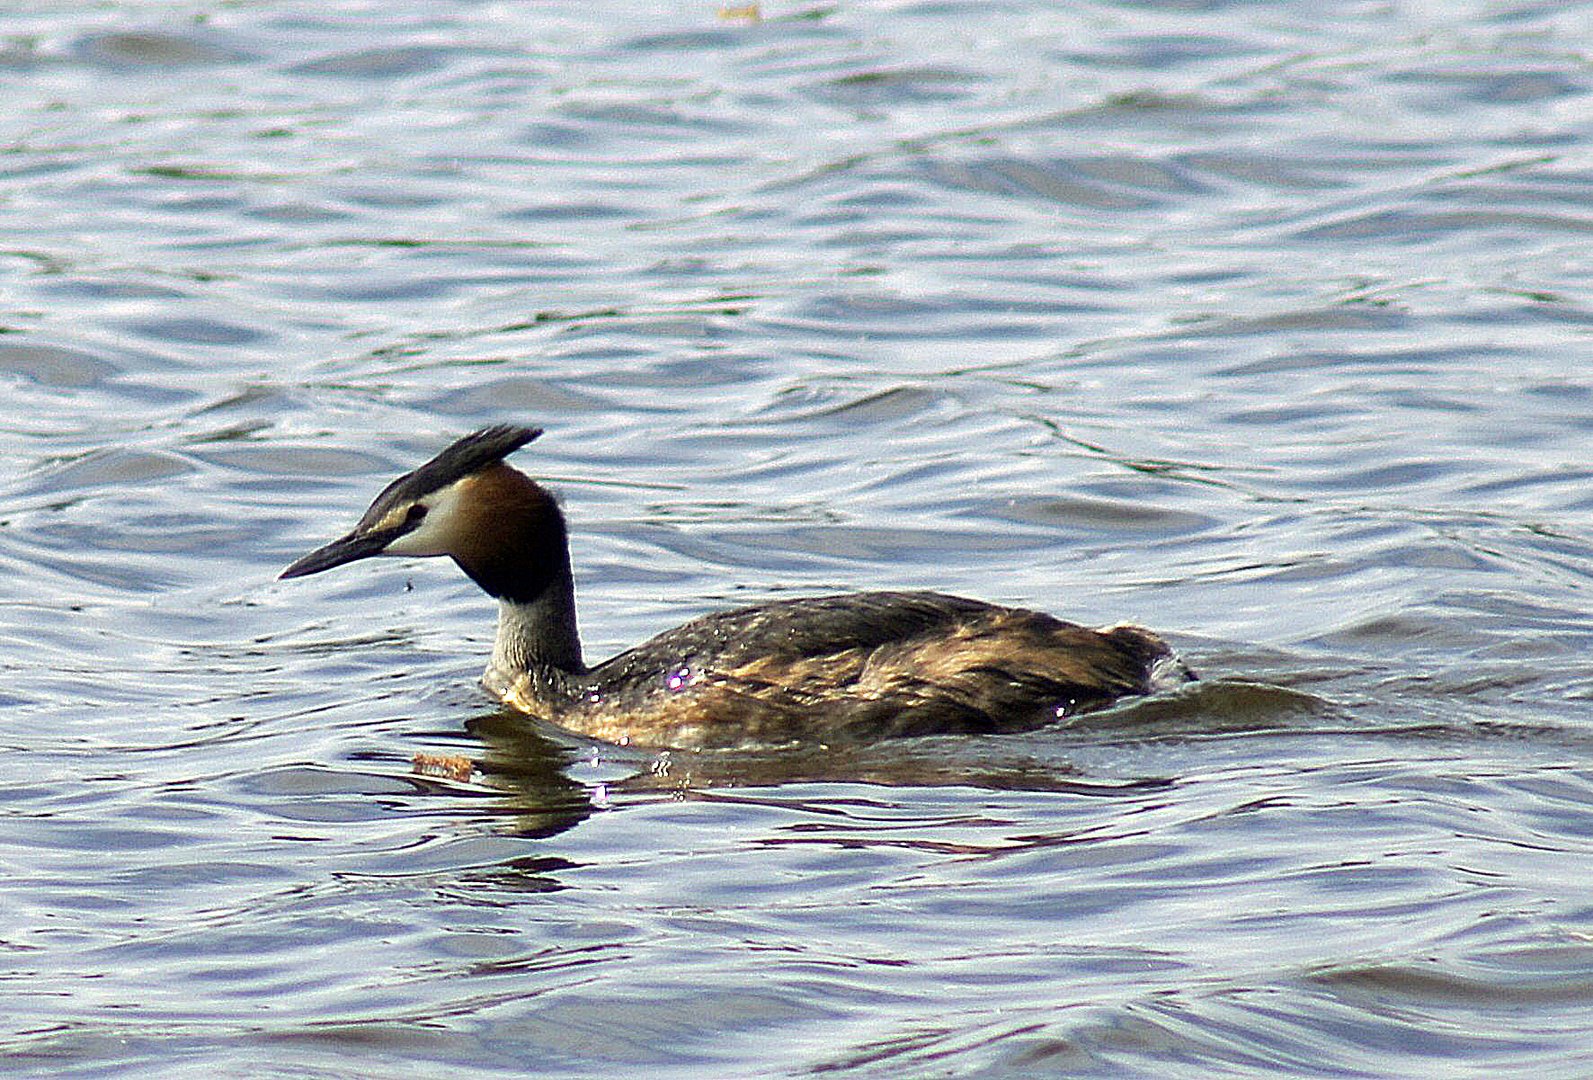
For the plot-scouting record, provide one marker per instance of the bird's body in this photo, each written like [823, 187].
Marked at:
[854, 666]
[845, 667]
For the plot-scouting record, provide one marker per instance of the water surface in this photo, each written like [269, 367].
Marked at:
[1264, 325]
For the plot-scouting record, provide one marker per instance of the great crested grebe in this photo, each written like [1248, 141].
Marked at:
[853, 666]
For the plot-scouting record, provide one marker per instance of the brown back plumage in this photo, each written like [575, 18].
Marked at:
[851, 667]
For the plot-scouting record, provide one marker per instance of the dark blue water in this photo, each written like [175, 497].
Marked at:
[1265, 325]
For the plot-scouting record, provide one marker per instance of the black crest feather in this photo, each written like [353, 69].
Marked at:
[471, 454]
[461, 458]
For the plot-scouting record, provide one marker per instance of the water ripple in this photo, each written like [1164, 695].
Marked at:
[1267, 333]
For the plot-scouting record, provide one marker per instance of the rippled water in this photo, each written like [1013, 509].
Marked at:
[1266, 325]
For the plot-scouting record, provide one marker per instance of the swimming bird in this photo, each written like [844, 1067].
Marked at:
[854, 666]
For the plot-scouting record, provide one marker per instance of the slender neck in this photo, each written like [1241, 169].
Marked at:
[523, 559]
[538, 632]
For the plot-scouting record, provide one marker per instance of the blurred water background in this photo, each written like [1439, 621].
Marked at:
[1264, 324]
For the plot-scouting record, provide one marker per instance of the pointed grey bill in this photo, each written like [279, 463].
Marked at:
[351, 547]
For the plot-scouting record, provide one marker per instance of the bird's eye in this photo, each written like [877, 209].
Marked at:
[415, 515]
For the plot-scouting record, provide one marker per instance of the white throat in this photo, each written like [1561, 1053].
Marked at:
[438, 534]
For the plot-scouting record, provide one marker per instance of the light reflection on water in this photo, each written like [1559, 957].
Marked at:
[1264, 329]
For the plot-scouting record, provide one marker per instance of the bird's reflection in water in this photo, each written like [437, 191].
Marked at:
[552, 780]
[535, 781]
[529, 770]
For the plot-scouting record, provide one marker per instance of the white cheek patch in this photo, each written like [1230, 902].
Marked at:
[438, 532]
